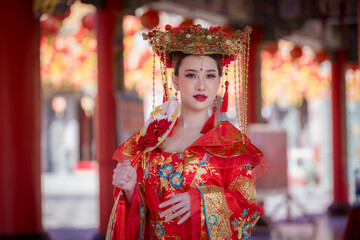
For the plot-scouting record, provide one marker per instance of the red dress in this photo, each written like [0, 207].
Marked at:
[218, 171]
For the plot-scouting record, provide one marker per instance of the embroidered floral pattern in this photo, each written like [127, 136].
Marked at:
[212, 219]
[146, 170]
[245, 212]
[247, 167]
[142, 212]
[255, 214]
[166, 171]
[176, 180]
[159, 230]
[245, 229]
[234, 223]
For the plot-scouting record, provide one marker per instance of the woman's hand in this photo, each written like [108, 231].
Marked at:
[180, 205]
[125, 177]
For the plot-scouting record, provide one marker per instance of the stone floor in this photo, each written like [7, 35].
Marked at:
[70, 211]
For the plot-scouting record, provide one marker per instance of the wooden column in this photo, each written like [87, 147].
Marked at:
[340, 204]
[105, 113]
[358, 25]
[253, 77]
[20, 118]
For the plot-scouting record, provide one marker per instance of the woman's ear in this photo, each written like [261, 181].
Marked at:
[175, 80]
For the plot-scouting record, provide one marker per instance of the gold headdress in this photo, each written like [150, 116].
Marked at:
[204, 41]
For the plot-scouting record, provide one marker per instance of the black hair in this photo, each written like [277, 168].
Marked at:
[179, 56]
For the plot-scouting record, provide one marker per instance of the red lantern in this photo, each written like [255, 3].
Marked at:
[150, 19]
[271, 48]
[228, 30]
[50, 25]
[321, 56]
[88, 21]
[187, 23]
[296, 52]
[353, 66]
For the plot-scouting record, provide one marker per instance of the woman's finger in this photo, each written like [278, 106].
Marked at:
[169, 202]
[171, 209]
[176, 214]
[184, 218]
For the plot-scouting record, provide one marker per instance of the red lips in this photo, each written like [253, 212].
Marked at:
[200, 97]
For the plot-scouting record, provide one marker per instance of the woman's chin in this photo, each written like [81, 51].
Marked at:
[197, 105]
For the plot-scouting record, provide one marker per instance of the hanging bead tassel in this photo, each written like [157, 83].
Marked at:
[225, 102]
[210, 122]
[165, 96]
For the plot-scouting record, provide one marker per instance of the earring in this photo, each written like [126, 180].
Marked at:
[176, 95]
[224, 105]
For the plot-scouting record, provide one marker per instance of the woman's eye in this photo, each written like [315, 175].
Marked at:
[190, 75]
[211, 76]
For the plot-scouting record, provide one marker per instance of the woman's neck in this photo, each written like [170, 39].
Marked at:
[193, 119]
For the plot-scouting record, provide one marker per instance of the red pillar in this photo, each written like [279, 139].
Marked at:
[358, 20]
[105, 114]
[20, 119]
[253, 76]
[340, 203]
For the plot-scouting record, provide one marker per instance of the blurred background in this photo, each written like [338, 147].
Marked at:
[76, 81]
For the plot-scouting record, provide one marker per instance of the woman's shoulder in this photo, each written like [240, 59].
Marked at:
[224, 133]
[225, 141]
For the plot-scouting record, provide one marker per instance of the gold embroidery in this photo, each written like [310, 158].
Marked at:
[191, 163]
[217, 212]
[246, 186]
[143, 210]
[244, 224]
[156, 111]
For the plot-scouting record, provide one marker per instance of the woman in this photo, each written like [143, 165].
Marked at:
[189, 179]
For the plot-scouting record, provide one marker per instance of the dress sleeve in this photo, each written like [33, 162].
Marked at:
[128, 222]
[226, 209]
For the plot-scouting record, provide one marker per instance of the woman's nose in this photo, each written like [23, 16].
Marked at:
[200, 85]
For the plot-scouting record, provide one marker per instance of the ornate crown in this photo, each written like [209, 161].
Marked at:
[198, 40]
[204, 41]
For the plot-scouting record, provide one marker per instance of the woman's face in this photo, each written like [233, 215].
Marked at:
[198, 81]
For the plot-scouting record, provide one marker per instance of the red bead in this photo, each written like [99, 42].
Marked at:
[217, 33]
[174, 43]
[162, 38]
[197, 30]
[150, 34]
[201, 69]
[173, 33]
[244, 35]
[215, 108]
[227, 83]
[167, 27]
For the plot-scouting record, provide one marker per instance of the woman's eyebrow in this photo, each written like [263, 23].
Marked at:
[194, 70]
